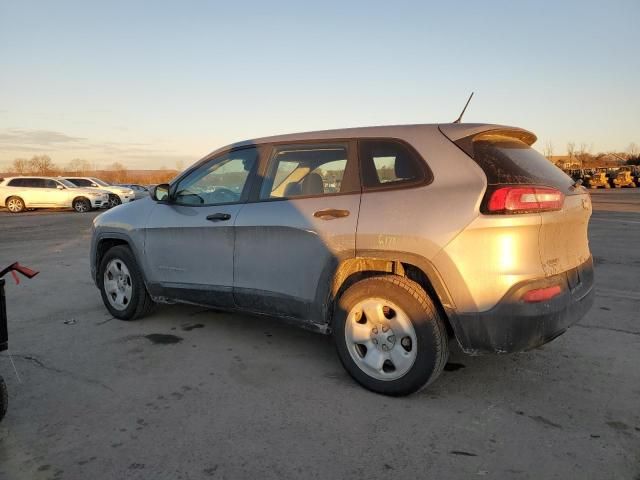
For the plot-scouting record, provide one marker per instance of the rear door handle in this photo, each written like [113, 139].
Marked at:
[331, 213]
[218, 217]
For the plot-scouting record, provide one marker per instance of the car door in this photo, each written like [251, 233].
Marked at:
[56, 193]
[38, 193]
[301, 224]
[190, 238]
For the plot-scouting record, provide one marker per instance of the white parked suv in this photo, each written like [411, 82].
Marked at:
[19, 193]
[117, 195]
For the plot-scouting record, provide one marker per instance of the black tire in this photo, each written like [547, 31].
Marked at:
[114, 200]
[81, 205]
[432, 339]
[15, 204]
[141, 303]
[4, 398]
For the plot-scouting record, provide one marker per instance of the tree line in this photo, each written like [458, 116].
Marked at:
[580, 155]
[116, 172]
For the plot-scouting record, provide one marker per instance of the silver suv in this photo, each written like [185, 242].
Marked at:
[393, 239]
[117, 194]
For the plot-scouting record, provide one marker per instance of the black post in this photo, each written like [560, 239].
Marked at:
[4, 332]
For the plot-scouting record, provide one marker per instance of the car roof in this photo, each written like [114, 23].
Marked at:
[32, 176]
[454, 131]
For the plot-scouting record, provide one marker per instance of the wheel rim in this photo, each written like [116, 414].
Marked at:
[118, 285]
[381, 339]
[14, 205]
[81, 206]
[114, 202]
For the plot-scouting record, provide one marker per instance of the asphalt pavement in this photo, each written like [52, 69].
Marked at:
[191, 393]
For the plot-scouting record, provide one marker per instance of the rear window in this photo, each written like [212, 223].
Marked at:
[506, 160]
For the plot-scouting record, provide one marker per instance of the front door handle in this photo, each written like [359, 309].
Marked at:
[218, 217]
[331, 213]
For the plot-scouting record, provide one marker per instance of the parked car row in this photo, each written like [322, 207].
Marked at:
[79, 193]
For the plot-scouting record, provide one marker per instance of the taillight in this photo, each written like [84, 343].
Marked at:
[523, 199]
[542, 294]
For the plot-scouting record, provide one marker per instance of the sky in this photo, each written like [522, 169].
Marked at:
[161, 84]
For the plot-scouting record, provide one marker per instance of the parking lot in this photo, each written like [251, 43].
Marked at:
[191, 393]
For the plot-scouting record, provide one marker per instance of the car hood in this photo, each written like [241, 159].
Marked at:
[121, 190]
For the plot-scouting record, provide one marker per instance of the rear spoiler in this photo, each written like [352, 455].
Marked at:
[463, 134]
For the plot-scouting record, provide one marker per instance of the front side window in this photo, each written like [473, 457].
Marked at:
[66, 183]
[389, 163]
[304, 170]
[80, 182]
[100, 183]
[222, 180]
[50, 183]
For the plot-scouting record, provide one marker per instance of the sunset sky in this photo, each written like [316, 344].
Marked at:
[150, 84]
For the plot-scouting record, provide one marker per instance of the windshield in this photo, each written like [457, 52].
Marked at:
[101, 182]
[67, 183]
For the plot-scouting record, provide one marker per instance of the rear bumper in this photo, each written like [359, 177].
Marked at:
[516, 326]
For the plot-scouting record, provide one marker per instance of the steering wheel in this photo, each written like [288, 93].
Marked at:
[185, 196]
[224, 195]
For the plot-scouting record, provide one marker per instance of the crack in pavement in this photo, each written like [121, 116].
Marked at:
[598, 327]
[36, 361]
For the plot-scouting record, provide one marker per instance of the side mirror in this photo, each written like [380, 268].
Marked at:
[94, 184]
[160, 193]
[59, 187]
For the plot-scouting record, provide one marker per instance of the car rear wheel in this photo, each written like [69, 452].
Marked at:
[81, 205]
[15, 205]
[114, 201]
[389, 335]
[122, 286]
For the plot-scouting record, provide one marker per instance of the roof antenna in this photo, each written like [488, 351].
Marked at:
[464, 109]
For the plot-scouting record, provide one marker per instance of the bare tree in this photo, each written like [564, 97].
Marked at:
[571, 150]
[78, 166]
[583, 154]
[119, 172]
[633, 150]
[548, 150]
[20, 166]
[42, 165]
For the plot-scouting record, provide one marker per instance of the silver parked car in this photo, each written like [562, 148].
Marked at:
[139, 191]
[117, 194]
[393, 239]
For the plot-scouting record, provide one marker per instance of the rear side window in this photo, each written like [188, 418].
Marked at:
[508, 161]
[309, 171]
[389, 163]
[27, 182]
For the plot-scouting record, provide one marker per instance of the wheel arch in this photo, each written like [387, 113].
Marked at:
[80, 197]
[372, 263]
[104, 244]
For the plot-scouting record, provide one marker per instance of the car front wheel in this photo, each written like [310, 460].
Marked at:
[122, 286]
[114, 201]
[81, 205]
[389, 335]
